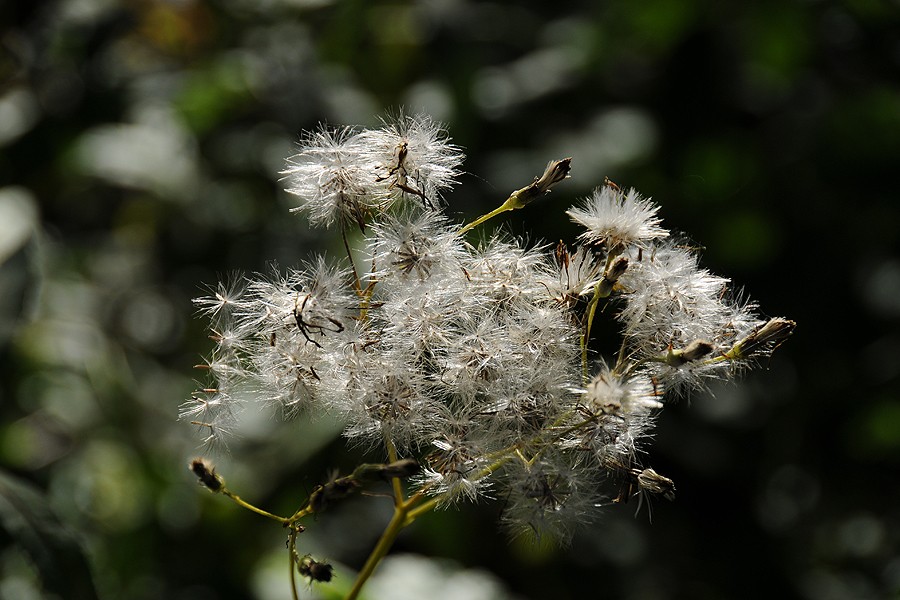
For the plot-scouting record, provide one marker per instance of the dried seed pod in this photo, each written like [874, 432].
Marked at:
[206, 473]
[763, 340]
[315, 570]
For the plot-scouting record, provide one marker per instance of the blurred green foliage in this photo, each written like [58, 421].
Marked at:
[140, 145]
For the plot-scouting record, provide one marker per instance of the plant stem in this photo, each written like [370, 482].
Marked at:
[586, 336]
[407, 511]
[292, 559]
[250, 507]
[398, 522]
[302, 512]
[510, 204]
[356, 283]
[395, 481]
[555, 171]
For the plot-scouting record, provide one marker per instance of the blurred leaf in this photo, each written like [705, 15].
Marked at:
[28, 521]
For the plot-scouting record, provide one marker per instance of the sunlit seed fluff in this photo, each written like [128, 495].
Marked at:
[671, 300]
[551, 497]
[470, 360]
[386, 399]
[620, 415]
[672, 306]
[416, 327]
[414, 246]
[540, 369]
[213, 413]
[453, 487]
[617, 219]
[288, 325]
[455, 463]
[611, 394]
[224, 299]
[334, 180]
[502, 271]
[413, 158]
[573, 276]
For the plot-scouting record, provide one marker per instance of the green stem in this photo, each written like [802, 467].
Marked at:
[420, 510]
[398, 522]
[395, 481]
[306, 510]
[603, 289]
[407, 511]
[512, 203]
[292, 559]
[259, 511]
[356, 283]
[554, 172]
[586, 336]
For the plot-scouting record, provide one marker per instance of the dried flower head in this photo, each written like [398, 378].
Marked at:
[472, 366]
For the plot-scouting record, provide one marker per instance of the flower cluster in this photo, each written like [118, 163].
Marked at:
[475, 358]
[347, 176]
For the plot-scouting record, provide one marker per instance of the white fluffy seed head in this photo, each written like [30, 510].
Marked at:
[618, 219]
[335, 180]
[413, 158]
[471, 358]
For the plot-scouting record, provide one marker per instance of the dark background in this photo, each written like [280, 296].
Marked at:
[140, 145]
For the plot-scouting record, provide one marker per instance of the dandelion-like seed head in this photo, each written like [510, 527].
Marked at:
[412, 157]
[572, 276]
[333, 178]
[618, 219]
[550, 498]
[608, 393]
[471, 365]
[415, 244]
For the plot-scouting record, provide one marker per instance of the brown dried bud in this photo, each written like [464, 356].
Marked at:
[651, 481]
[615, 270]
[371, 473]
[556, 171]
[206, 473]
[764, 339]
[403, 468]
[697, 350]
[316, 571]
[325, 495]
[693, 351]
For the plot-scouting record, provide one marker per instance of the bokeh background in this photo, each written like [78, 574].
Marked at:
[140, 145]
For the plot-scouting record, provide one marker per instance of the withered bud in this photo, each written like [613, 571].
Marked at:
[371, 473]
[324, 496]
[697, 350]
[206, 473]
[693, 351]
[764, 339]
[556, 171]
[368, 473]
[561, 253]
[651, 481]
[316, 571]
[615, 270]
[403, 468]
